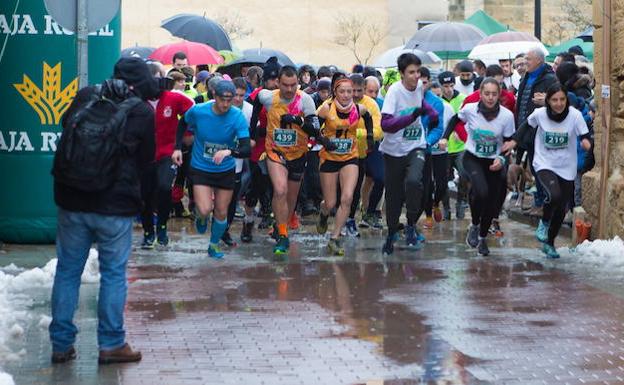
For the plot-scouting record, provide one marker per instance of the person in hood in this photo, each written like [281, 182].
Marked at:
[464, 83]
[570, 77]
[306, 75]
[103, 217]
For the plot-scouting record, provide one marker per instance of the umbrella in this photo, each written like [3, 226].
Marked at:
[229, 56]
[587, 35]
[196, 53]
[198, 29]
[251, 57]
[137, 51]
[388, 59]
[588, 48]
[505, 45]
[266, 53]
[446, 36]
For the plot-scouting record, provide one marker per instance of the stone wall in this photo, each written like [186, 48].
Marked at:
[303, 29]
[591, 181]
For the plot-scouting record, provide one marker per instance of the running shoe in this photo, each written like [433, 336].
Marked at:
[542, 231]
[282, 245]
[227, 239]
[437, 214]
[246, 232]
[411, 236]
[321, 226]
[550, 251]
[162, 237]
[482, 247]
[352, 230]
[472, 238]
[388, 246]
[377, 221]
[293, 223]
[495, 228]
[335, 247]
[215, 252]
[428, 223]
[148, 241]
[366, 221]
[201, 224]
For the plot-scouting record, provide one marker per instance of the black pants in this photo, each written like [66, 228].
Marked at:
[234, 200]
[559, 193]
[485, 191]
[311, 187]
[438, 182]
[181, 177]
[357, 194]
[404, 180]
[156, 192]
[260, 189]
[375, 170]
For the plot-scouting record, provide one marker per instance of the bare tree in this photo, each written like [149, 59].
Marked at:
[359, 35]
[235, 25]
[574, 17]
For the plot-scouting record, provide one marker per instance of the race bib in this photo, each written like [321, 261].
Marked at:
[413, 131]
[284, 137]
[343, 146]
[211, 148]
[486, 144]
[555, 140]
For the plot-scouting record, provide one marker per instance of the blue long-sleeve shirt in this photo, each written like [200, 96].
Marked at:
[434, 133]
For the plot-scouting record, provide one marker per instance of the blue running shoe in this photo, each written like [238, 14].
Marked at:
[411, 238]
[215, 252]
[162, 237]
[542, 231]
[282, 245]
[550, 251]
[352, 230]
[201, 224]
[388, 246]
[148, 241]
[420, 237]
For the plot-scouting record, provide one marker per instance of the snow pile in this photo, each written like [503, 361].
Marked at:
[18, 292]
[603, 253]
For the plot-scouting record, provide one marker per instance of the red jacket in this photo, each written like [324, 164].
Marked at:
[507, 98]
[262, 122]
[170, 107]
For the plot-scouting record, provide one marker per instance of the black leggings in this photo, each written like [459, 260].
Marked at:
[485, 191]
[156, 185]
[260, 189]
[234, 200]
[439, 179]
[559, 193]
[358, 187]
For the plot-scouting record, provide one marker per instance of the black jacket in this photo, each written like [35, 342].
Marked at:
[123, 198]
[541, 84]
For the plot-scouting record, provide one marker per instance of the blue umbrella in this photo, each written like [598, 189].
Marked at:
[198, 29]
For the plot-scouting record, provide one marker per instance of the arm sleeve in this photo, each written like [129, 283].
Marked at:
[254, 130]
[243, 150]
[393, 123]
[182, 127]
[368, 124]
[581, 126]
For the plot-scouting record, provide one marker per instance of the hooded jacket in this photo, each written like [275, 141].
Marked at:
[524, 97]
[123, 198]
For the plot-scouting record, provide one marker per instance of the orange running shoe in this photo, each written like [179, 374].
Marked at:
[293, 223]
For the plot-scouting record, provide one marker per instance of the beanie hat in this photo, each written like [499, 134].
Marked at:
[323, 84]
[271, 69]
[466, 66]
[135, 73]
[224, 87]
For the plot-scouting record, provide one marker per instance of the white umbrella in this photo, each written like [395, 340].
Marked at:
[505, 45]
[446, 36]
[389, 58]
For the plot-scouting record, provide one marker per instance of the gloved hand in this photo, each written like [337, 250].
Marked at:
[370, 142]
[327, 143]
[288, 119]
[419, 112]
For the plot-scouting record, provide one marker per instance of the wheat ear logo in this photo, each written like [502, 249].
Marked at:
[50, 102]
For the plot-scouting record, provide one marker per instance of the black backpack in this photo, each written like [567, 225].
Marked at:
[92, 144]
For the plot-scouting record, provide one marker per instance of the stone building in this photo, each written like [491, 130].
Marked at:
[304, 29]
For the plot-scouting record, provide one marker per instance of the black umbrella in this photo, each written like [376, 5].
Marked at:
[137, 51]
[587, 35]
[251, 57]
[198, 29]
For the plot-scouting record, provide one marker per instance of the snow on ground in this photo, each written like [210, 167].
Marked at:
[605, 254]
[19, 290]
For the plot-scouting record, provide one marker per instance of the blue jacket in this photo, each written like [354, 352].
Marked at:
[433, 134]
[580, 104]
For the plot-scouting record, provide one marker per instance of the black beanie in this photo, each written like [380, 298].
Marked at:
[135, 73]
[567, 71]
[466, 66]
[576, 50]
[271, 69]
[446, 77]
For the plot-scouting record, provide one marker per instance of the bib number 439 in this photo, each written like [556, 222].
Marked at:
[285, 137]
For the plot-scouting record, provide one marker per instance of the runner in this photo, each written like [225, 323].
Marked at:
[158, 179]
[239, 102]
[488, 125]
[455, 148]
[363, 145]
[291, 119]
[404, 146]
[339, 163]
[216, 127]
[555, 130]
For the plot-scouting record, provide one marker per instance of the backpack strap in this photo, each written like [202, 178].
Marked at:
[119, 118]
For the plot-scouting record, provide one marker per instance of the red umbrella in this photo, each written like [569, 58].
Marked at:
[197, 53]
